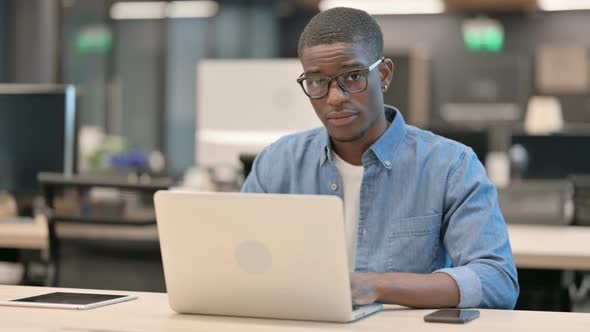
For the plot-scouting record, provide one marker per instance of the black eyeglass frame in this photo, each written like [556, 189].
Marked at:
[365, 71]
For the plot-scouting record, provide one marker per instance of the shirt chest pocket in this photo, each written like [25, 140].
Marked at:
[413, 244]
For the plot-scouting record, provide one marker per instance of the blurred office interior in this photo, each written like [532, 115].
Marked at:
[128, 97]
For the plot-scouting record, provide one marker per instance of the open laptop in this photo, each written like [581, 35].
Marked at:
[256, 255]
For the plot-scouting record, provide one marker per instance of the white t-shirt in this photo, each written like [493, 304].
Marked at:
[352, 177]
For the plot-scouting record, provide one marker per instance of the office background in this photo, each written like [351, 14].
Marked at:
[136, 81]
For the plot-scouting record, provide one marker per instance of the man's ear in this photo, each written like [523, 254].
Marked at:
[386, 69]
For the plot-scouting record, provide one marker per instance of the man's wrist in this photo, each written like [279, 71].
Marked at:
[379, 285]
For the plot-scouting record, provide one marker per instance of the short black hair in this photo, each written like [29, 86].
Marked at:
[342, 25]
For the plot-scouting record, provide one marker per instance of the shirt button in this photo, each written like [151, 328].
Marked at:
[388, 163]
[334, 187]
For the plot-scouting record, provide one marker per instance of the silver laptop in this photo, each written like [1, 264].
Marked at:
[256, 255]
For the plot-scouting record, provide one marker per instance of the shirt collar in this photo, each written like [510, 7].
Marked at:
[384, 148]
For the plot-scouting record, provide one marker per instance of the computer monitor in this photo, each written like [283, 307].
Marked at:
[37, 134]
[555, 156]
[483, 90]
[245, 105]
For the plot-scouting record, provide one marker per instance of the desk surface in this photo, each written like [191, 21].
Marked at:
[533, 246]
[29, 235]
[550, 247]
[150, 312]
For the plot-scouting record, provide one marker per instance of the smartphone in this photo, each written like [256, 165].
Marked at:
[64, 300]
[460, 316]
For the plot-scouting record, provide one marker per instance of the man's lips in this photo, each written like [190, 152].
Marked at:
[342, 118]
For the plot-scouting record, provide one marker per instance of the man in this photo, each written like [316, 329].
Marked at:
[423, 225]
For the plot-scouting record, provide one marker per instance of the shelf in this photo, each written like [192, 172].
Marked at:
[118, 182]
[62, 218]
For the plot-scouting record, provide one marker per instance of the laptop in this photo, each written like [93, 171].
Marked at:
[256, 255]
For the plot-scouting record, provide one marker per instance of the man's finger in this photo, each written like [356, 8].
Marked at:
[362, 300]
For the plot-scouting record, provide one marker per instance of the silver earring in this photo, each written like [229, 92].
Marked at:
[385, 88]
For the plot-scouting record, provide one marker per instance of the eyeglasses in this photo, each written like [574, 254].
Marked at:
[353, 81]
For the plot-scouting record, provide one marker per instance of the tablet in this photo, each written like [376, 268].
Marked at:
[65, 300]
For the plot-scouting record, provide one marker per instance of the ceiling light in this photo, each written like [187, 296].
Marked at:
[388, 7]
[191, 9]
[162, 9]
[556, 5]
[138, 10]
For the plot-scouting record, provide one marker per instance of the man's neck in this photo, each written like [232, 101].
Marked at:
[352, 152]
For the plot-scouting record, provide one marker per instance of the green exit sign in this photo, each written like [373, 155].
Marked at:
[483, 35]
[97, 39]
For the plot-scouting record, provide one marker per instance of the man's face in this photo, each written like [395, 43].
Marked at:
[348, 117]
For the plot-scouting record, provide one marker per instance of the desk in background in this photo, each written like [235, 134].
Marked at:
[30, 237]
[550, 247]
[31, 234]
[552, 261]
[533, 246]
[150, 312]
[52, 183]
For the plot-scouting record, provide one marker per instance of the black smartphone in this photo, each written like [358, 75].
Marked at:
[460, 316]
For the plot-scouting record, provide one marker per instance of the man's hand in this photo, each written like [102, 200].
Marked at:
[436, 290]
[364, 288]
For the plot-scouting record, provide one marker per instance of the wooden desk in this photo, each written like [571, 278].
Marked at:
[550, 247]
[150, 312]
[33, 235]
[533, 246]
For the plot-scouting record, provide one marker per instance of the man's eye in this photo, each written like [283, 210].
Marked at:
[354, 76]
[316, 82]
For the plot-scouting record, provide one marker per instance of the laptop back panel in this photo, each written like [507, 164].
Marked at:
[254, 255]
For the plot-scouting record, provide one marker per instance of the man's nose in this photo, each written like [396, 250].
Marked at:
[335, 94]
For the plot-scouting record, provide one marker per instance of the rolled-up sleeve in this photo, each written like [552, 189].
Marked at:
[476, 239]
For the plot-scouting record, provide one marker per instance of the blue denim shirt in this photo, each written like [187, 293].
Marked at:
[426, 206]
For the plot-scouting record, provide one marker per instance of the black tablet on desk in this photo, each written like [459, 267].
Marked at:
[67, 300]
